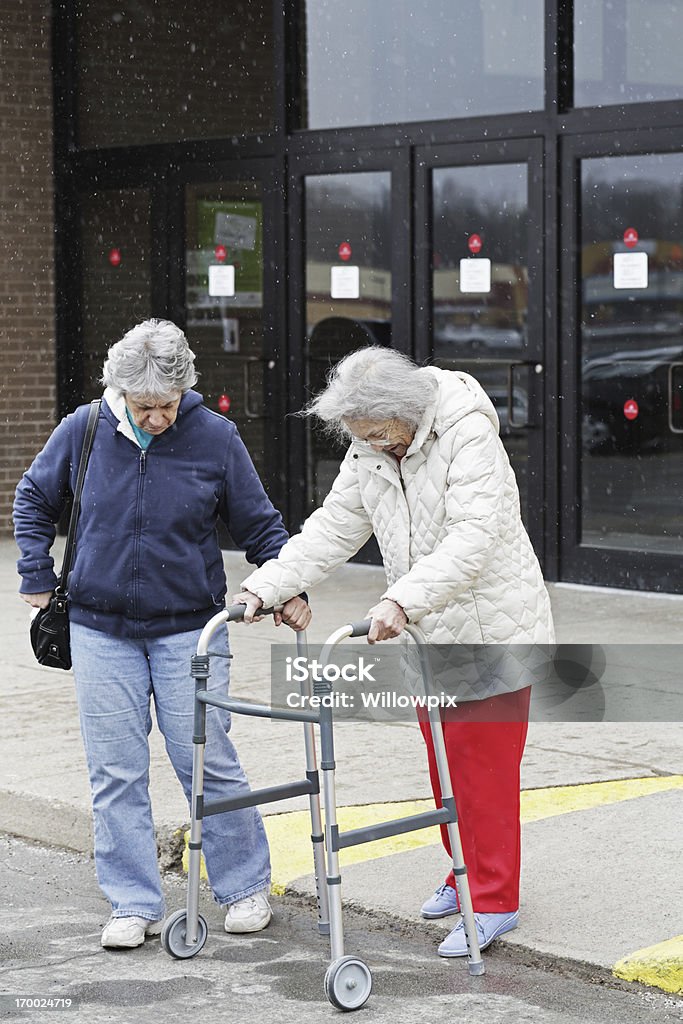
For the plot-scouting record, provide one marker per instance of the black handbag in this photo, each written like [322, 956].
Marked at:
[50, 626]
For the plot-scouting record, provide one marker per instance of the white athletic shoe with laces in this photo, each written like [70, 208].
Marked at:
[443, 903]
[489, 927]
[128, 932]
[248, 915]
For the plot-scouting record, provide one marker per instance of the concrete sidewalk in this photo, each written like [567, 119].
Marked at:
[602, 802]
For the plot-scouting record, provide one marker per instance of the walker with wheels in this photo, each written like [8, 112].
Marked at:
[348, 980]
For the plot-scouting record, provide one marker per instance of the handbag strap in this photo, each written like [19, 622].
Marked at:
[91, 427]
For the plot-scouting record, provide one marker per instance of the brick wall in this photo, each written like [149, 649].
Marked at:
[27, 314]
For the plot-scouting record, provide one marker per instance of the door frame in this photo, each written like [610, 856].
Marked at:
[538, 347]
[582, 563]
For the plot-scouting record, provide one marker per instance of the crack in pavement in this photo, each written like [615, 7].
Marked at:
[591, 755]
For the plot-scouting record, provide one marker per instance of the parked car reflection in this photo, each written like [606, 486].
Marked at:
[642, 377]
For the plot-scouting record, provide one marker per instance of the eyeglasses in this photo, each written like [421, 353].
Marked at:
[378, 442]
[381, 442]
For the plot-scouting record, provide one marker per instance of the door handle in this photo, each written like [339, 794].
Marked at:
[672, 427]
[514, 424]
[249, 412]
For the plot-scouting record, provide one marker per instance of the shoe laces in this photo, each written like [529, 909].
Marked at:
[250, 903]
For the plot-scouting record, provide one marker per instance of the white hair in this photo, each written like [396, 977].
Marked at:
[373, 383]
[153, 360]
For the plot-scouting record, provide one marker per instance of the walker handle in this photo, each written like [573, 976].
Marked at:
[360, 628]
[236, 612]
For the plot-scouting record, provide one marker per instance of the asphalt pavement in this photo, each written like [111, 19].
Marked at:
[602, 802]
[50, 956]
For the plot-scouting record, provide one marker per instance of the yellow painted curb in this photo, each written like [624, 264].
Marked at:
[289, 837]
[660, 966]
[289, 833]
[290, 845]
[546, 803]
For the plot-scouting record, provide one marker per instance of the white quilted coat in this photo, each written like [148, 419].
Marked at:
[447, 520]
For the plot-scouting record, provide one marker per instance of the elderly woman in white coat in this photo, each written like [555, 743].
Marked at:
[427, 473]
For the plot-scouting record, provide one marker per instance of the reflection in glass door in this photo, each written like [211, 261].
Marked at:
[631, 328]
[348, 290]
[482, 286]
[224, 303]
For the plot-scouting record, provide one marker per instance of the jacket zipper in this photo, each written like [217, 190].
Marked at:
[136, 548]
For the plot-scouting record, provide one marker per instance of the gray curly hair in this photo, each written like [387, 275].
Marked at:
[373, 383]
[152, 359]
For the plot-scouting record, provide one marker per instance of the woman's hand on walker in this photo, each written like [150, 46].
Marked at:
[295, 613]
[252, 602]
[388, 620]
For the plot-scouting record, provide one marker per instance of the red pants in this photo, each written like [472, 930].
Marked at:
[484, 759]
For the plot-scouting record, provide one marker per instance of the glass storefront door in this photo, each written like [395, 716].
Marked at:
[628, 421]
[479, 282]
[224, 301]
[448, 271]
[351, 242]
[631, 352]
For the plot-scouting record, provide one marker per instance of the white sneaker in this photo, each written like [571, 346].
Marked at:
[489, 927]
[443, 903]
[128, 932]
[248, 915]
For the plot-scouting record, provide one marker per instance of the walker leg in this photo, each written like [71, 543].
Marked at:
[195, 850]
[317, 837]
[333, 877]
[318, 842]
[462, 885]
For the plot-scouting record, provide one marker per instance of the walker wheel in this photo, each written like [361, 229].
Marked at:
[348, 983]
[174, 936]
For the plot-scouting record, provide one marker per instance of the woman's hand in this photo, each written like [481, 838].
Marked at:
[252, 602]
[37, 600]
[295, 613]
[388, 620]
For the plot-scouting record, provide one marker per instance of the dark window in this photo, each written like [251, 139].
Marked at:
[159, 71]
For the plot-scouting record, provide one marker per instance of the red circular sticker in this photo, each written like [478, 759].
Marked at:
[344, 251]
[474, 243]
[631, 409]
[224, 403]
[221, 253]
[630, 237]
[115, 257]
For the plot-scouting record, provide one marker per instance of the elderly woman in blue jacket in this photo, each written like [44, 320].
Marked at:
[147, 576]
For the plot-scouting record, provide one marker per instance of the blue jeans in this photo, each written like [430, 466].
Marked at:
[115, 678]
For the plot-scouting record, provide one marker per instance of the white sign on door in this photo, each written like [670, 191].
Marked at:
[222, 280]
[475, 275]
[630, 270]
[345, 282]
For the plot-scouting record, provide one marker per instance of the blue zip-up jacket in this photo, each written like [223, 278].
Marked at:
[148, 562]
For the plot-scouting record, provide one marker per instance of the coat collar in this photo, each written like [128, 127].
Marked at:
[117, 404]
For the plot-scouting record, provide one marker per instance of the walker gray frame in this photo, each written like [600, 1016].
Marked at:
[348, 980]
